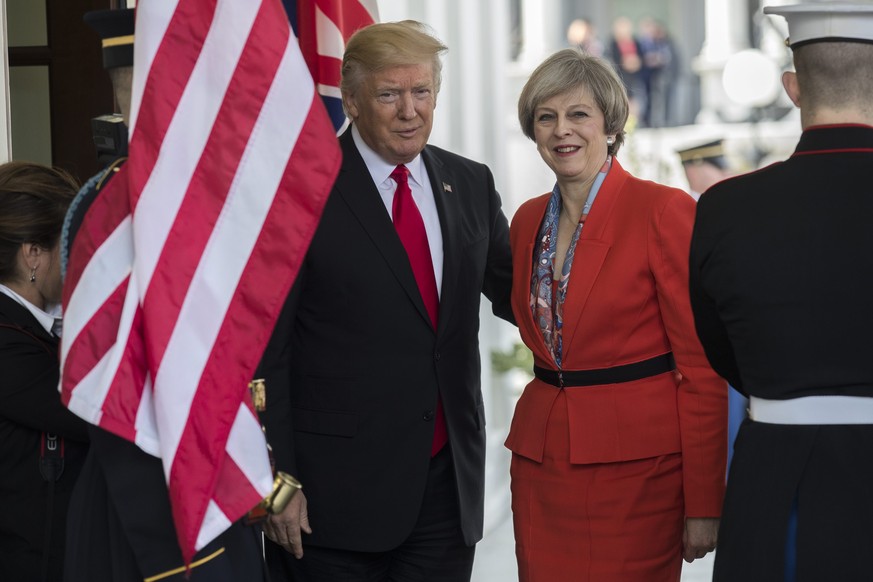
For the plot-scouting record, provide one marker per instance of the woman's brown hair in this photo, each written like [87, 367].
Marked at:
[33, 203]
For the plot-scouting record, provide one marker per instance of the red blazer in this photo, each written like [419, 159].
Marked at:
[627, 301]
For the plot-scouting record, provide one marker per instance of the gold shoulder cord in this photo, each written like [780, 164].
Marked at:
[110, 170]
[181, 569]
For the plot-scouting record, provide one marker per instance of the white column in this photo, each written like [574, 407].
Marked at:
[391, 10]
[727, 33]
[5, 117]
[542, 30]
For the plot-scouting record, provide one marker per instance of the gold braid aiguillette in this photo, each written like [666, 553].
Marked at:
[284, 485]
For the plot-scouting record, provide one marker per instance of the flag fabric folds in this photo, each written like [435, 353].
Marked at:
[183, 262]
[323, 27]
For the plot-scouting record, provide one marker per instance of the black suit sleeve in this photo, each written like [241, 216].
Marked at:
[29, 389]
[275, 369]
[497, 285]
[710, 328]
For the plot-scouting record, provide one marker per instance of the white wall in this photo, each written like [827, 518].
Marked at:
[5, 119]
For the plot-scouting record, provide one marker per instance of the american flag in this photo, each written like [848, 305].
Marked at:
[182, 264]
[323, 27]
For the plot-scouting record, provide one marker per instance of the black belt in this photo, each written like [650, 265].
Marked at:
[614, 375]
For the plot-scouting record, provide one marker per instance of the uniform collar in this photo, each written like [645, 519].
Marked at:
[848, 137]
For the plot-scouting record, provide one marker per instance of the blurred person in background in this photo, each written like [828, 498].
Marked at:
[626, 54]
[659, 72]
[706, 165]
[582, 34]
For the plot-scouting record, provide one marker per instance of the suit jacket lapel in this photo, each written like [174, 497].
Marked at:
[521, 280]
[591, 251]
[355, 185]
[445, 193]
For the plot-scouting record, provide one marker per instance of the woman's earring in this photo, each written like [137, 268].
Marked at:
[33, 275]
[610, 140]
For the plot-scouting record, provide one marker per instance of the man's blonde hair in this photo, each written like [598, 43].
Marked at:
[386, 45]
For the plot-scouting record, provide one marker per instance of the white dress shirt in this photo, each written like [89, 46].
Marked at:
[45, 319]
[422, 194]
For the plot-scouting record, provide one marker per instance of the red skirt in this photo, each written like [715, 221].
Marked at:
[606, 522]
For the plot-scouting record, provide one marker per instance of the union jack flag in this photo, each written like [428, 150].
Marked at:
[183, 262]
[323, 27]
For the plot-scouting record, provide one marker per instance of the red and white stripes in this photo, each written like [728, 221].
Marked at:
[184, 260]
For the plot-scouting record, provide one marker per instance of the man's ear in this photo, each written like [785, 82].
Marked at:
[789, 82]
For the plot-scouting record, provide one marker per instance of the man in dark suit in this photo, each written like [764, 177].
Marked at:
[781, 282]
[373, 374]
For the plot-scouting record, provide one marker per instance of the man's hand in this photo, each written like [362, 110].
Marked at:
[699, 538]
[285, 528]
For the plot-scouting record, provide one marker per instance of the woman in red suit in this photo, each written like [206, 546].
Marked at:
[619, 442]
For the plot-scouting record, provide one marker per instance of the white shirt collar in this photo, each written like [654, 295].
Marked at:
[379, 169]
[45, 319]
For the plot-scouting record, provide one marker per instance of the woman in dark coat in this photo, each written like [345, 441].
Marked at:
[42, 444]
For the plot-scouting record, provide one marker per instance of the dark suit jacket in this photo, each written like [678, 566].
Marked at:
[781, 280]
[30, 404]
[354, 366]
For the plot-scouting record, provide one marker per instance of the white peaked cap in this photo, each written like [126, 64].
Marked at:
[826, 21]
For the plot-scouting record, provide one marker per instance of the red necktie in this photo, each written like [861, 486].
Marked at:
[410, 229]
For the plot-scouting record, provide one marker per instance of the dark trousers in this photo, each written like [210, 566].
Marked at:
[433, 552]
[798, 495]
[120, 527]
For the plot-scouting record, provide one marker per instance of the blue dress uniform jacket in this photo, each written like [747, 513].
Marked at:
[781, 278]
